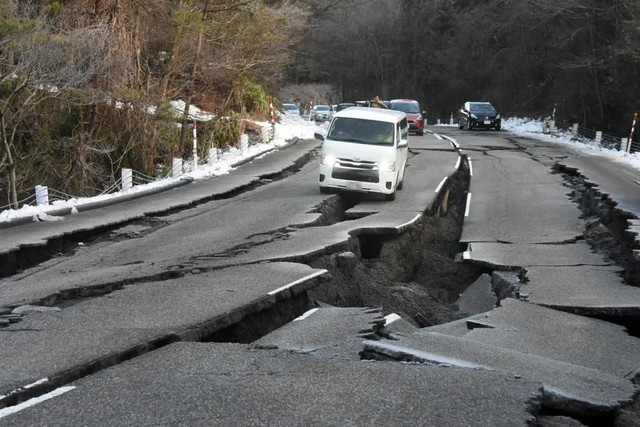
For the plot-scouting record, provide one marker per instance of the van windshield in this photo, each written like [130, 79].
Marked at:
[361, 131]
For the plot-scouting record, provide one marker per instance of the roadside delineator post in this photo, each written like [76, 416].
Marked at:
[575, 129]
[195, 146]
[451, 119]
[599, 138]
[633, 128]
[273, 119]
[271, 112]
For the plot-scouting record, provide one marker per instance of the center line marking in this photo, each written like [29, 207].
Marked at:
[439, 187]
[466, 209]
[470, 168]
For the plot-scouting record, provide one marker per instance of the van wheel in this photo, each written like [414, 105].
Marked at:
[391, 196]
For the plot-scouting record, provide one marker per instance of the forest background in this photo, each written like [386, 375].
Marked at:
[86, 85]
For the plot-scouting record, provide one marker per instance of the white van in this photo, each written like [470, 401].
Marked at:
[365, 150]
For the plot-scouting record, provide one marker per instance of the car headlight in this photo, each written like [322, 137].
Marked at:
[473, 116]
[498, 117]
[328, 160]
[387, 166]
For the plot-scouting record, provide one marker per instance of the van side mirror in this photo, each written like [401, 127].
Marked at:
[318, 135]
[403, 143]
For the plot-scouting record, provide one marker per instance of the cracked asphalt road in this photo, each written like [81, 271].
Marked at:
[200, 267]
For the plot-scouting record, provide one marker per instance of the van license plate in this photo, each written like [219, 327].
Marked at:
[355, 186]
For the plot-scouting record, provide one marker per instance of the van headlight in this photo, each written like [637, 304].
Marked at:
[387, 166]
[473, 116]
[328, 160]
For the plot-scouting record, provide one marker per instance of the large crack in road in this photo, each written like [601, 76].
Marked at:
[417, 273]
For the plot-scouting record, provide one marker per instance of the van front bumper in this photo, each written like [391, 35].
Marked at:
[365, 181]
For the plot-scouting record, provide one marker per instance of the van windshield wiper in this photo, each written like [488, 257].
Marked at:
[348, 139]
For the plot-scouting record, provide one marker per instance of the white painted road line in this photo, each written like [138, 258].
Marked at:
[438, 136]
[401, 226]
[306, 314]
[304, 279]
[466, 209]
[470, 167]
[32, 402]
[390, 318]
[439, 187]
[457, 163]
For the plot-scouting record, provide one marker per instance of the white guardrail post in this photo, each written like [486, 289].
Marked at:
[575, 129]
[599, 138]
[127, 178]
[42, 195]
[244, 142]
[176, 167]
[213, 155]
[623, 144]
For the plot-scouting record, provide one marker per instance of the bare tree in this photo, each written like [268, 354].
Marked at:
[38, 64]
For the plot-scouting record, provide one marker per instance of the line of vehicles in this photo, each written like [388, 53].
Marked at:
[366, 143]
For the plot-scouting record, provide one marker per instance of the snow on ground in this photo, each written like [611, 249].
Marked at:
[289, 127]
[285, 130]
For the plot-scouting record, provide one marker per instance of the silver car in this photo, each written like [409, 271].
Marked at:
[320, 113]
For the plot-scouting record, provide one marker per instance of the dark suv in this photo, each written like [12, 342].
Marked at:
[479, 114]
[415, 115]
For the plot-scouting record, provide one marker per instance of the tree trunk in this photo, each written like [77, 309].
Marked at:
[13, 193]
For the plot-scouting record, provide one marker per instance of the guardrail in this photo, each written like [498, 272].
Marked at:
[129, 178]
[602, 139]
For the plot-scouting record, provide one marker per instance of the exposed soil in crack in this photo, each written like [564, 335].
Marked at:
[606, 227]
[414, 274]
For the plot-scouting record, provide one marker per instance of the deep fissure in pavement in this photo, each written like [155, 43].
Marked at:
[414, 274]
[607, 233]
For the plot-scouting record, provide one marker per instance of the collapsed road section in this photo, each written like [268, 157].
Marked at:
[497, 365]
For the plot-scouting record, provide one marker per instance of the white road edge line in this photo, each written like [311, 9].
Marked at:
[439, 187]
[470, 167]
[304, 279]
[458, 163]
[439, 137]
[306, 314]
[390, 318]
[466, 210]
[32, 402]
[401, 226]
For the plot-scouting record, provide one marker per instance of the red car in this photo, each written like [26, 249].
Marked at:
[415, 115]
